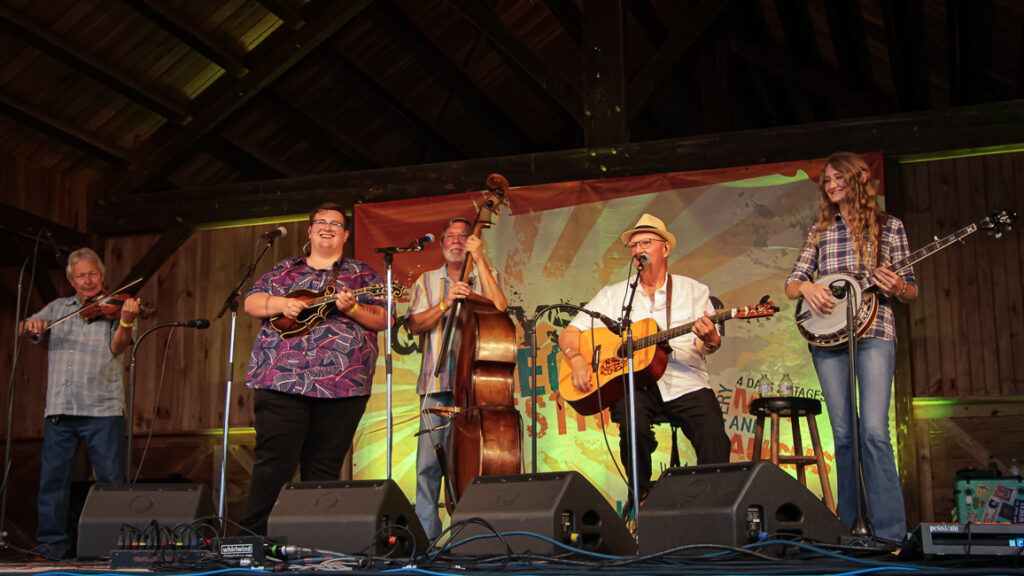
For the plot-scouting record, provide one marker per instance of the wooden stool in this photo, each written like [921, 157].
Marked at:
[793, 408]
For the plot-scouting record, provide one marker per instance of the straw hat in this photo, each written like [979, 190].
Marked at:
[652, 224]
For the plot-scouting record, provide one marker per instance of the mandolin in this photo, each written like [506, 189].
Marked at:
[317, 307]
[650, 356]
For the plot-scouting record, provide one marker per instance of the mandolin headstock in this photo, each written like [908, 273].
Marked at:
[998, 222]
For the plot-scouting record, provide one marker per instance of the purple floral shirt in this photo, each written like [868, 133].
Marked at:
[337, 358]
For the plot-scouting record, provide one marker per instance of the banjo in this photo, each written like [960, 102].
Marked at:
[830, 330]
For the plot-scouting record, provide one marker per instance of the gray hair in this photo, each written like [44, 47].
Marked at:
[85, 254]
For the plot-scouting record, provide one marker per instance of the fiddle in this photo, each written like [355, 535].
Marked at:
[105, 304]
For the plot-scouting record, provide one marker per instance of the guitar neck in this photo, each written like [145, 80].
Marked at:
[316, 302]
[664, 335]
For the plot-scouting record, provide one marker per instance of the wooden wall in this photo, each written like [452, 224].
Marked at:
[966, 331]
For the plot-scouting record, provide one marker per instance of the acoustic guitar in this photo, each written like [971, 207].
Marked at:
[829, 331]
[650, 356]
[318, 306]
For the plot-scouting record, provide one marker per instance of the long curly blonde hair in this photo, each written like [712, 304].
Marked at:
[862, 194]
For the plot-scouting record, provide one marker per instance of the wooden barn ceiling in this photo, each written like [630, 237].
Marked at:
[149, 97]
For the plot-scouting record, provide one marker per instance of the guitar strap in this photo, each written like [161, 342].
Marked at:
[668, 303]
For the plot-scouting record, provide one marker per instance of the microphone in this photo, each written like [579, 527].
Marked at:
[200, 323]
[58, 253]
[279, 232]
[611, 324]
[641, 261]
[420, 242]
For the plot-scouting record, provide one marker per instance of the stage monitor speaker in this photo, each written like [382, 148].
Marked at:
[350, 517]
[731, 505]
[109, 507]
[562, 506]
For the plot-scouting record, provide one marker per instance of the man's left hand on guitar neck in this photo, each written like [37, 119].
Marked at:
[707, 339]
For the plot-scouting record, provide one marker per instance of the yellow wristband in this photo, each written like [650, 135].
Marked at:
[355, 306]
[903, 291]
[126, 325]
[441, 306]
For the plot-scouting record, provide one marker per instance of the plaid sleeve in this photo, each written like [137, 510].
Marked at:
[806, 262]
[899, 248]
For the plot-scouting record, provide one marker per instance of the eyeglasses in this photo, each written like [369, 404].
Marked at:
[643, 244]
[84, 275]
[332, 223]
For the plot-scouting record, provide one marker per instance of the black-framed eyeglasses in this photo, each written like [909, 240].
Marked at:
[331, 223]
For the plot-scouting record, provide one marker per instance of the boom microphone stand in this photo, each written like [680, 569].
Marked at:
[389, 256]
[625, 321]
[201, 324]
[530, 335]
[862, 524]
[232, 303]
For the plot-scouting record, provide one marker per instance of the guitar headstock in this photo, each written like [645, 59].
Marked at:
[763, 309]
[397, 290]
[998, 222]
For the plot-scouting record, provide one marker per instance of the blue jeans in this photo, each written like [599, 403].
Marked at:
[428, 469]
[104, 440]
[876, 360]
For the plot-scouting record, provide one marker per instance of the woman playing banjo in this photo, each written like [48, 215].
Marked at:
[851, 234]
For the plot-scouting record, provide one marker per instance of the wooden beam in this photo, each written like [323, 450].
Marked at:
[658, 68]
[76, 59]
[63, 130]
[908, 57]
[27, 227]
[846, 24]
[188, 34]
[818, 79]
[568, 15]
[328, 132]
[165, 247]
[977, 450]
[283, 10]
[649, 21]
[604, 74]
[506, 43]
[911, 133]
[233, 150]
[798, 29]
[274, 57]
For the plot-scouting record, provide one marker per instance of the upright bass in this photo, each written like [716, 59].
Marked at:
[487, 431]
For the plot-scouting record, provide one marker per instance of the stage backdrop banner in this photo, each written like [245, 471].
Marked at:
[738, 231]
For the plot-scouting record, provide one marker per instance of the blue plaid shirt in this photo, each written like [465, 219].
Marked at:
[834, 253]
[83, 378]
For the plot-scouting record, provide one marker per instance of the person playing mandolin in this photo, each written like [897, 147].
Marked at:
[84, 395]
[851, 234]
[434, 294]
[683, 394]
[310, 390]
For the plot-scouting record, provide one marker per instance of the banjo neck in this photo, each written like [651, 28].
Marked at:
[921, 254]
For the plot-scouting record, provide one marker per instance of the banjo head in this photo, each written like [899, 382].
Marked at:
[830, 330]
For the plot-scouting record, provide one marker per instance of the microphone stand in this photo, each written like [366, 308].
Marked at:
[862, 524]
[530, 336]
[131, 401]
[625, 321]
[232, 303]
[389, 256]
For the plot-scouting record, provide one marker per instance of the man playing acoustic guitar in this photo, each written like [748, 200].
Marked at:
[683, 394]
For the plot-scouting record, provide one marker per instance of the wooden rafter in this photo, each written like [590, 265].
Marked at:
[280, 8]
[818, 79]
[235, 151]
[846, 24]
[658, 68]
[63, 130]
[506, 43]
[77, 59]
[798, 28]
[360, 155]
[165, 247]
[568, 15]
[985, 125]
[188, 34]
[273, 57]
[649, 21]
[604, 74]
[905, 37]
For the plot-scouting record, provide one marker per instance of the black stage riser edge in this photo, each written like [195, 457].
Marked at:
[349, 517]
[711, 504]
[563, 506]
[110, 506]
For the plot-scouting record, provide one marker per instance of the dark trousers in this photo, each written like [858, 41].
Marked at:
[297, 431]
[697, 414]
